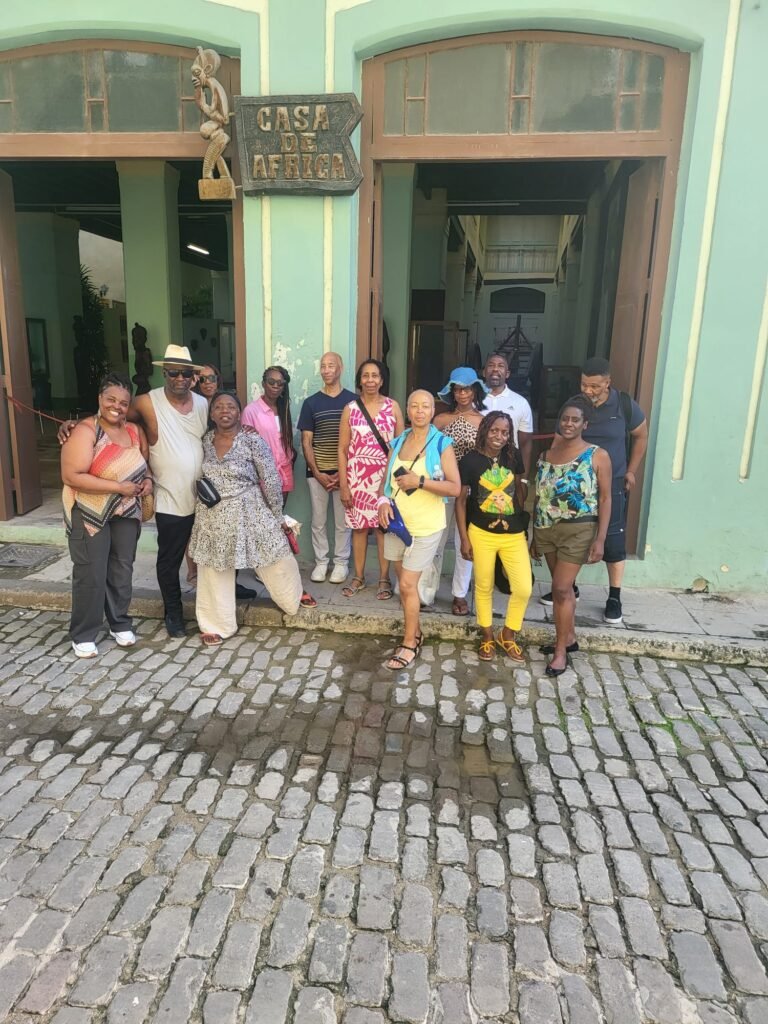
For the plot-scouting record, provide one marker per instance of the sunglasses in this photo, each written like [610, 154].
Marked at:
[275, 382]
[208, 378]
[186, 374]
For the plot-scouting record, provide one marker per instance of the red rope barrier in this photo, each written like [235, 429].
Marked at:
[37, 412]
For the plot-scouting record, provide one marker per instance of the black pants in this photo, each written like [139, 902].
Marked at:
[173, 533]
[102, 576]
[616, 541]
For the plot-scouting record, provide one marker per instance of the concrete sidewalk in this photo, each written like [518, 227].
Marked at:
[731, 629]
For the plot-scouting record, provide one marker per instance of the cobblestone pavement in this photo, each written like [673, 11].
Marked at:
[279, 831]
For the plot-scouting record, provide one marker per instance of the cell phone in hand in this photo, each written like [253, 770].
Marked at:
[400, 472]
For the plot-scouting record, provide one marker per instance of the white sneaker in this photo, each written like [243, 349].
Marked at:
[86, 650]
[318, 573]
[340, 573]
[124, 639]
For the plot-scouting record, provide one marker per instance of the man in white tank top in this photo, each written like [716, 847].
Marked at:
[175, 419]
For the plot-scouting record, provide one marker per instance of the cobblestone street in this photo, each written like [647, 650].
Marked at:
[281, 832]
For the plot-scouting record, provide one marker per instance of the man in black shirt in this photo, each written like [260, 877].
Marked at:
[319, 425]
[617, 424]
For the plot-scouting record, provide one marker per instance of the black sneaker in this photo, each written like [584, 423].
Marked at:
[612, 614]
[546, 599]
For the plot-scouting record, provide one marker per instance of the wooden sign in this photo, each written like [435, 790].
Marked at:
[298, 144]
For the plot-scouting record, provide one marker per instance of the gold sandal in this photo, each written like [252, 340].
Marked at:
[486, 650]
[511, 648]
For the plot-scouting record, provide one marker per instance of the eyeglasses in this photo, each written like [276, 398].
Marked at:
[275, 382]
[208, 378]
[186, 374]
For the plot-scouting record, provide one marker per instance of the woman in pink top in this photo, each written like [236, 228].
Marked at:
[271, 416]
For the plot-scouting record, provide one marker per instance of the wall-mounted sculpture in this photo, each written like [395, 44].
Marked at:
[213, 128]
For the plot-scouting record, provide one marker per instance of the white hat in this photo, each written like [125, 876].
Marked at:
[176, 355]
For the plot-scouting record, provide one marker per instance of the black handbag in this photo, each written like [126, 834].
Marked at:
[207, 493]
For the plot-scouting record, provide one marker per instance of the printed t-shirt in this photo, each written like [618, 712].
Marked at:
[321, 414]
[491, 504]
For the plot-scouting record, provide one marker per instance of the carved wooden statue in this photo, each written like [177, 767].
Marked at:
[204, 68]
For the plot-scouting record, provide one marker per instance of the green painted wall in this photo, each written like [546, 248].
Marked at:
[692, 526]
[151, 264]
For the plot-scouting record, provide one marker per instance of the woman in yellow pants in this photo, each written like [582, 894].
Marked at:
[491, 522]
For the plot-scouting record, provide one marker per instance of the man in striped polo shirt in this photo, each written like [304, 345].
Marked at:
[319, 425]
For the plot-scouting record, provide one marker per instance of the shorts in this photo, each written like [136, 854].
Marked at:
[615, 549]
[570, 541]
[418, 556]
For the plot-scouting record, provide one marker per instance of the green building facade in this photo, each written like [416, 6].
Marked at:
[702, 512]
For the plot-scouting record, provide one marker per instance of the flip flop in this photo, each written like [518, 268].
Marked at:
[211, 640]
[459, 606]
[307, 601]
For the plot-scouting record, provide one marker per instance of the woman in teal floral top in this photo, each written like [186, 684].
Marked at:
[571, 515]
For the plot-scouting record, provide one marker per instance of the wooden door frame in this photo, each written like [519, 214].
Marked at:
[664, 144]
[165, 146]
[377, 148]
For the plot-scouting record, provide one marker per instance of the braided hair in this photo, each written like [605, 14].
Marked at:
[283, 410]
[509, 456]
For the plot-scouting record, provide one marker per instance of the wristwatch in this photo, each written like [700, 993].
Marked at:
[421, 482]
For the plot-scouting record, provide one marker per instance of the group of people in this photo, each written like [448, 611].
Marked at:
[220, 475]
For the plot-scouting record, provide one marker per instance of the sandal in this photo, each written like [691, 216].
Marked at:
[401, 661]
[307, 601]
[384, 591]
[211, 640]
[459, 606]
[511, 648]
[486, 650]
[355, 585]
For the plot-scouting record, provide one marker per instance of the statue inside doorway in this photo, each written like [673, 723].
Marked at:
[142, 359]
[204, 68]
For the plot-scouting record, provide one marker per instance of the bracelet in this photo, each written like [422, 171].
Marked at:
[381, 500]
[421, 482]
[523, 481]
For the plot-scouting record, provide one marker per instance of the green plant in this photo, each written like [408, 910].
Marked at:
[199, 305]
[89, 337]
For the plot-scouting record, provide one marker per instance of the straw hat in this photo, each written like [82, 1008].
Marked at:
[176, 355]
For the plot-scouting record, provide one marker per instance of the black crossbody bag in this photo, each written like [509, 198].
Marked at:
[374, 429]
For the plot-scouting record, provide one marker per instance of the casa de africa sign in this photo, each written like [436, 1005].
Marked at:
[298, 145]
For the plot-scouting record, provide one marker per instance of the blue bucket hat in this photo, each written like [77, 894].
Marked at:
[465, 377]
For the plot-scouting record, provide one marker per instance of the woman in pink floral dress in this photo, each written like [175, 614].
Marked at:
[362, 461]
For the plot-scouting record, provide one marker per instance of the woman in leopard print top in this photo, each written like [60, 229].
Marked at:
[464, 394]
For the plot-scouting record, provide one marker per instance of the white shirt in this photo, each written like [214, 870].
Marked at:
[176, 461]
[515, 406]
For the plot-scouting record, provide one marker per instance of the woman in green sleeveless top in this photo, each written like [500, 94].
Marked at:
[571, 515]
